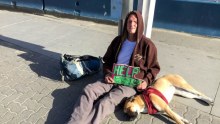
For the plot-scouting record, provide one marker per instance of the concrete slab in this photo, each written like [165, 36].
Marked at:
[197, 61]
[192, 65]
[63, 36]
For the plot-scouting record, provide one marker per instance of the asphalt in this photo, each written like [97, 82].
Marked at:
[31, 91]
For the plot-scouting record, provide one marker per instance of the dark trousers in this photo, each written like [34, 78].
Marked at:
[87, 112]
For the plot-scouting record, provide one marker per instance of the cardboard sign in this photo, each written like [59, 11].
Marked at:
[125, 75]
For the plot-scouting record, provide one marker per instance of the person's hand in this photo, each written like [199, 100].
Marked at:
[108, 79]
[142, 86]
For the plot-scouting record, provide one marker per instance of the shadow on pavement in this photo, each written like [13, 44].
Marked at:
[42, 65]
[64, 99]
[47, 67]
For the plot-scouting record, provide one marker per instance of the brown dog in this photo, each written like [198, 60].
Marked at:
[156, 98]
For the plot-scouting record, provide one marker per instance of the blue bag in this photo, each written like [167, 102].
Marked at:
[75, 67]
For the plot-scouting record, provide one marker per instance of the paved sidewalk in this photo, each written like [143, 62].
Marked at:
[30, 88]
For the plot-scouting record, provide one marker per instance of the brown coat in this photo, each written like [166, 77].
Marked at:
[144, 50]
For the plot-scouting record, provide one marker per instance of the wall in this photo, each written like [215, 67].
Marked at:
[191, 16]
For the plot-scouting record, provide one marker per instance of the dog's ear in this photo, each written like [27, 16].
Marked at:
[128, 99]
[131, 99]
[125, 110]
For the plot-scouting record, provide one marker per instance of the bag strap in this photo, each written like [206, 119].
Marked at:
[89, 57]
[81, 58]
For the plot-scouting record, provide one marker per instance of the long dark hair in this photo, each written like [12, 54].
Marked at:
[125, 32]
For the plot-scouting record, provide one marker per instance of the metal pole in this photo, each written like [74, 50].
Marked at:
[147, 8]
[127, 6]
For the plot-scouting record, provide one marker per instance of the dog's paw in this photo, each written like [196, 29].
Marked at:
[208, 100]
[186, 121]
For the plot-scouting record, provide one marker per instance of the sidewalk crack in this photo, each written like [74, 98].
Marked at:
[215, 97]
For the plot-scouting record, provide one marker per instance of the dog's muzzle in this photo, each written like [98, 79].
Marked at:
[132, 115]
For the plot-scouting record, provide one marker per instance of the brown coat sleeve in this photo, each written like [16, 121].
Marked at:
[149, 64]
[153, 66]
[110, 56]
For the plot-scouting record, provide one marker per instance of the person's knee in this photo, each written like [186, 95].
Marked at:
[112, 100]
[107, 102]
[88, 89]
[127, 91]
[91, 92]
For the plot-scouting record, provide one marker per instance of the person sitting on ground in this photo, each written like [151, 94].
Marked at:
[132, 48]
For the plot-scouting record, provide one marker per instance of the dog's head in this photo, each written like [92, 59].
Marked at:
[132, 108]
